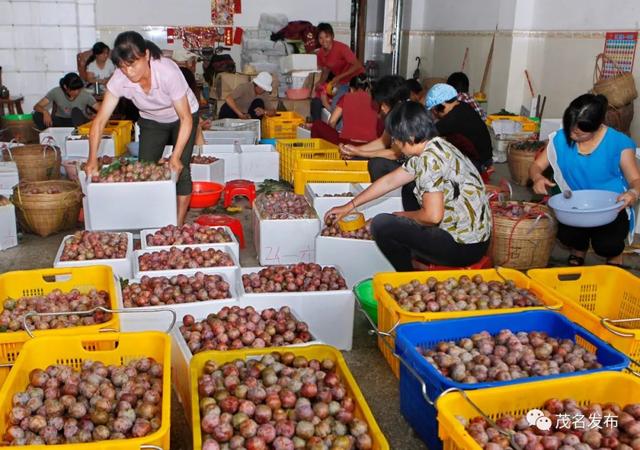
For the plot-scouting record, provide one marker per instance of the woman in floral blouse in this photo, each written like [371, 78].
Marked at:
[453, 225]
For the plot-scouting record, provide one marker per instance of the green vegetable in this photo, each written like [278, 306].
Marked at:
[270, 186]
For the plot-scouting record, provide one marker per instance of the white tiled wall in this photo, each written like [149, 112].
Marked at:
[39, 41]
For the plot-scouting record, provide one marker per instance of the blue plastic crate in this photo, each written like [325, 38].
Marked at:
[422, 416]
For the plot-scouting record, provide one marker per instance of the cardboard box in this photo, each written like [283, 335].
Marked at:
[226, 82]
[302, 107]
[8, 230]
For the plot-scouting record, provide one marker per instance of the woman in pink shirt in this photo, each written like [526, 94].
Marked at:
[168, 109]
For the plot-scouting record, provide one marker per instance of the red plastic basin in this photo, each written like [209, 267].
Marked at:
[205, 194]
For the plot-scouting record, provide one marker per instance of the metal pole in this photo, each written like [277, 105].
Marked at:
[397, 37]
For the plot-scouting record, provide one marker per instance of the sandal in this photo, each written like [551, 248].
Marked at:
[575, 261]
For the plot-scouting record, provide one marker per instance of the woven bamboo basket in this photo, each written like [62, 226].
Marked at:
[620, 89]
[35, 162]
[620, 118]
[500, 192]
[523, 243]
[47, 213]
[519, 161]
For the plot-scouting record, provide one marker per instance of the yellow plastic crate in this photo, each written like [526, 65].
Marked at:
[293, 150]
[42, 281]
[596, 296]
[282, 126]
[109, 348]
[319, 352]
[518, 399]
[120, 129]
[528, 125]
[302, 177]
[390, 314]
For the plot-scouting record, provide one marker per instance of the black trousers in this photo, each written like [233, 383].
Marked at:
[400, 239]
[155, 135]
[379, 167]
[227, 113]
[607, 241]
[77, 118]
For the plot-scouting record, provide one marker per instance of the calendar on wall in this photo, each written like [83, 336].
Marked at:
[620, 47]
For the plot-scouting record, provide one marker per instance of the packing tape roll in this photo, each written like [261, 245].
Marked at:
[352, 222]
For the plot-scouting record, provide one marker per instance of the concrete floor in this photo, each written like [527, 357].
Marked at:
[369, 368]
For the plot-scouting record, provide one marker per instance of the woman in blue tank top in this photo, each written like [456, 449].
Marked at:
[586, 154]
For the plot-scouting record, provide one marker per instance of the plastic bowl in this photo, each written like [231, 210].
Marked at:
[205, 194]
[586, 208]
[364, 294]
[298, 94]
[71, 168]
[132, 148]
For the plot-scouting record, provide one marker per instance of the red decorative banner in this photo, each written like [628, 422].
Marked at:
[237, 9]
[228, 36]
[237, 36]
[199, 37]
[222, 12]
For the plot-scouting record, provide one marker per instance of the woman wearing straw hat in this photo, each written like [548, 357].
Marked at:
[248, 100]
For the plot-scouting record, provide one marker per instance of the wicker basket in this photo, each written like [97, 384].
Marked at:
[500, 192]
[45, 214]
[620, 118]
[35, 162]
[523, 243]
[520, 160]
[620, 89]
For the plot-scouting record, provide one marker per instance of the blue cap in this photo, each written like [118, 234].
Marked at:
[440, 93]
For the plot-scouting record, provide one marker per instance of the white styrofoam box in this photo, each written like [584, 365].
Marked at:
[8, 230]
[229, 271]
[394, 193]
[548, 126]
[230, 154]
[213, 172]
[56, 136]
[303, 133]
[237, 125]
[314, 193]
[290, 63]
[284, 241]
[233, 246]
[8, 176]
[181, 355]
[259, 162]
[121, 266]
[151, 318]
[79, 146]
[213, 137]
[329, 314]
[357, 258]
[129, 206]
